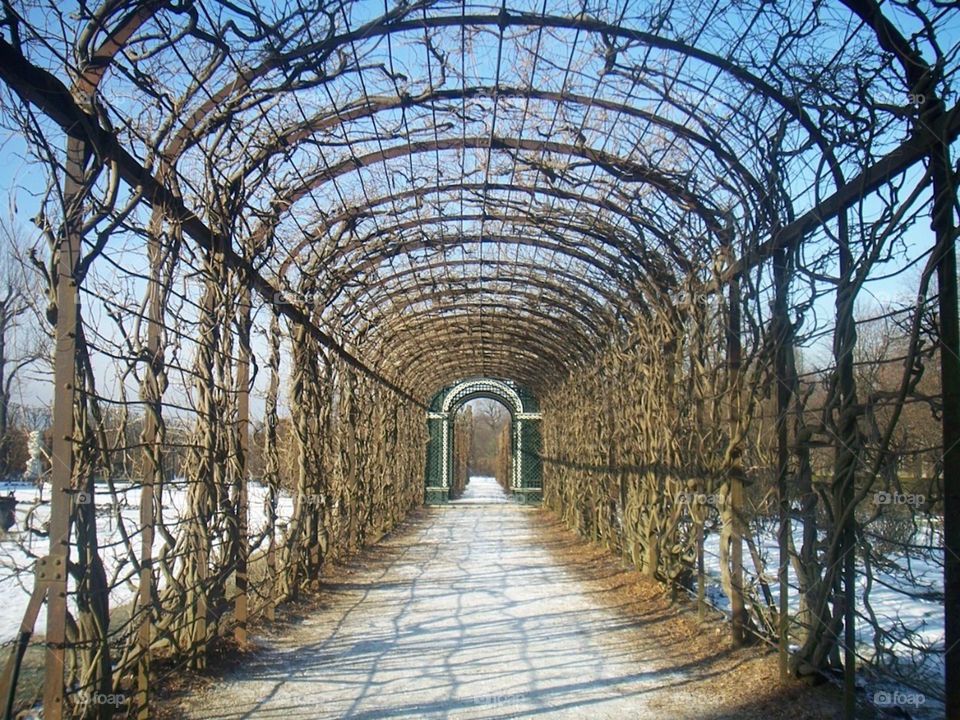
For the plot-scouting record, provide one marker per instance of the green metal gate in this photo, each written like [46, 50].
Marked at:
[526, 481]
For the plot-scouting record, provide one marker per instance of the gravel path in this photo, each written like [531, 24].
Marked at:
[466, 612]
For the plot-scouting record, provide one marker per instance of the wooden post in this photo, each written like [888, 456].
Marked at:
[783, 346]
[734, 507]
[65, 375]
[845, 458]
[271, 465]
[207, 345]
[944, 199]
[701, 575]
[698, 312]
[153, 456]
[243, 430]
[145, 632]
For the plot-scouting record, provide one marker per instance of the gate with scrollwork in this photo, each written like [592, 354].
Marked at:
[526, 477]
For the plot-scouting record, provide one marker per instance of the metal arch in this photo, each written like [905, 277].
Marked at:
[482, 387]
[636, 172]
[724, 65]
[358, 213]
[559, 340]
[597, 259]
[506, 18]
[300, 131]
[377, 104]
[527, 370]
[399, 23]
[527, 365]
[532, 328]
[429, 335]
[384, 280]
[533, 365]
[383, 26]
[577, 306]
[67, 110]
[600, 234]
[475, 384]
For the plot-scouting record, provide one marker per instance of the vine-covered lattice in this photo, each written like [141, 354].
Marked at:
[709, 245]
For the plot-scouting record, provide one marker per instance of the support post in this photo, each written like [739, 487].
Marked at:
[151, 393]
[45, 572]
[735, 470]
[944, 204]
[445, 455]
[701, 576]
[518, 474]
[782, 347]
[243, 445]
[271, 464]
[845, 458]
[145, 632]
[65, 375]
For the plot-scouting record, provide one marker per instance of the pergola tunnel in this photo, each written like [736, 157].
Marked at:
[702, 252]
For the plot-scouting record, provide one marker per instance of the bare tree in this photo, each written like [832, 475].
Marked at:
[489, 417]
[19, 345]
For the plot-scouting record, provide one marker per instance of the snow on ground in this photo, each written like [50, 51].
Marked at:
[892, 608]
[489, 610]
[19, 548]
[482, 490]
[17, 552]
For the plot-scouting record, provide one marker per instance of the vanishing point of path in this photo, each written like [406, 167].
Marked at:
[488, 609]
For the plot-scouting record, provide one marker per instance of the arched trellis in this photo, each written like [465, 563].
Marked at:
[525, 468]
[714, 109]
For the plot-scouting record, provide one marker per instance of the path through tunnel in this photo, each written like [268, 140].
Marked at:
[702, 252]
[482, 442]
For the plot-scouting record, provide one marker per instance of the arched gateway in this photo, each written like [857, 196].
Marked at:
[525, 468]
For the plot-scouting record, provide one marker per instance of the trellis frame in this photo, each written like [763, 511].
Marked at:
[533, 335]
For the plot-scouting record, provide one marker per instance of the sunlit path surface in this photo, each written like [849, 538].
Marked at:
[482, 490]
[490, 609]
[468, 611]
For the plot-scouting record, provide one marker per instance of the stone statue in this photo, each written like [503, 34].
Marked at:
[35, 448]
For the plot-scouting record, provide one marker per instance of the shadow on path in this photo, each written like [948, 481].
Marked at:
[472, 610]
